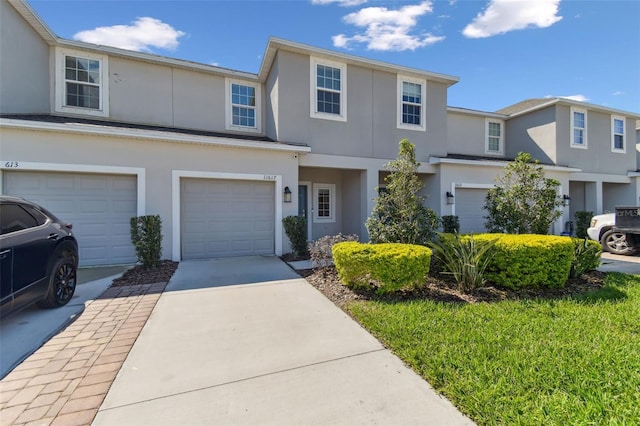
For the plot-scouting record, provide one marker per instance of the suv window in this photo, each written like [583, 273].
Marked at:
[15, 218]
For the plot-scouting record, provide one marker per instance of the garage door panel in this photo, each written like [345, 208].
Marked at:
[469, 209]
[226, 218]
[99, 206]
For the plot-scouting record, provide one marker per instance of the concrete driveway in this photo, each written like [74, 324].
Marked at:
[247, 341]
[618, 263]
[24, 332]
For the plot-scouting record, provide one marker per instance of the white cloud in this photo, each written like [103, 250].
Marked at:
[502, 16]
[385, 29]
[618, 93]
[345, 3]
[579, 98]
[142, 35]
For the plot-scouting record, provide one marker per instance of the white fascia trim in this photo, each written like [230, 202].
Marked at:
[356, 163]
[422, 127]
[578, 104]
[229, 106]
[599, 177]
[139, 172]
[156, 59]
[176, 175]
[313, 86]
[149, 135]
[459, 110]
[27, 12]
[500, 164]
[276, 43]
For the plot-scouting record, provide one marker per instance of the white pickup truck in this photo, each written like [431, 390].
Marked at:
[613, 241]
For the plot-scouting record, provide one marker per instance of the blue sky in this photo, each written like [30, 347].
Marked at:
[504, 51]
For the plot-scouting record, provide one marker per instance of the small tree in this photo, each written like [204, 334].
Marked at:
[399, 215]
[523, 201]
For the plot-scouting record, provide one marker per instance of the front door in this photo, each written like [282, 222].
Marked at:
[303, 206]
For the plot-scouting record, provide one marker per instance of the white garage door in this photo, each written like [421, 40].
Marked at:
[99, 207]
[222, 218]
[469, 203]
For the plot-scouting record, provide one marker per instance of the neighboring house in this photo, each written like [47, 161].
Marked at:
[598, 141]
[100, 134]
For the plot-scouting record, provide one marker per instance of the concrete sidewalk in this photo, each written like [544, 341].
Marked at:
[246, 341]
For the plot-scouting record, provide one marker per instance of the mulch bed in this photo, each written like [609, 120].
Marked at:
[437, 287]
[442, 290]
[140, 274]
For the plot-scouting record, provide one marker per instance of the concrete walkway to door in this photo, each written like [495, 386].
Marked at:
[247, 341]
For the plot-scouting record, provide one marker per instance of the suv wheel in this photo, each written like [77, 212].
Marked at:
[615, 242]
[62, 283]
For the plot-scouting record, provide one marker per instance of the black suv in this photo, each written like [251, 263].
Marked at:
[38, 257]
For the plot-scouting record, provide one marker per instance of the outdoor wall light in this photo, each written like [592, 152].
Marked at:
[450, 198]
[566, 200]
[287, 194]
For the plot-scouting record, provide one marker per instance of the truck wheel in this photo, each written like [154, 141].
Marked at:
[615, 242]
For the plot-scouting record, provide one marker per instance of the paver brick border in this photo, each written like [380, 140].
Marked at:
[66, 380]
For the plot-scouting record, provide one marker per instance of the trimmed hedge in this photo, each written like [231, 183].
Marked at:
[529, 260]
[391, 266]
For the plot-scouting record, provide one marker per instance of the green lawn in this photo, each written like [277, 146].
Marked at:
[565, 362]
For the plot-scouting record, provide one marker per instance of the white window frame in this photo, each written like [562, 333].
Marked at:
[332, 203]
[314, 62]
[60, 87]
[613, 134]
[422, 127]
[500, 150]
[584, 129]
[229, 106]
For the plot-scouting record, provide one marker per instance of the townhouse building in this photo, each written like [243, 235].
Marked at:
[99, 135]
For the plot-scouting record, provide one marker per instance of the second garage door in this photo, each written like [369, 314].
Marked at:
[469, 203]
[221, 218]
[99, 206]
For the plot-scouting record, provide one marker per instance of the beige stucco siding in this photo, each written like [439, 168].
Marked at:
[157, 158]
[24, 68]
[598, 157]
[466, 134]
[534, 133]
[370, 129]
[455, 176]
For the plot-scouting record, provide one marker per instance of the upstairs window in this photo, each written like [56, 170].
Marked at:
[243, 100]
[411, 95]
[328, 99]
[617, 136]
[82, 83]
[494, 136]
[578, 128]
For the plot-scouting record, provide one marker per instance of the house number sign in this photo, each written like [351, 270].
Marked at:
[11, 165]
[270, 177]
